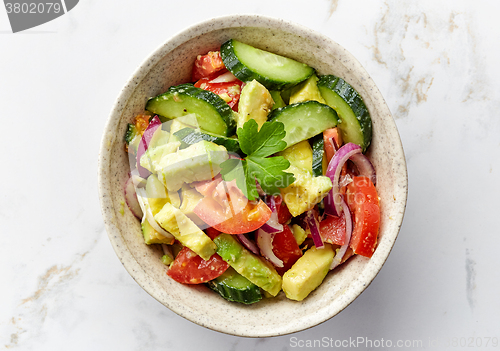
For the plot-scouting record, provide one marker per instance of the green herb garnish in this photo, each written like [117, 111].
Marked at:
[258, 145]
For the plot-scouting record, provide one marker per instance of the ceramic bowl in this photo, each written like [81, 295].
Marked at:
[171, 64]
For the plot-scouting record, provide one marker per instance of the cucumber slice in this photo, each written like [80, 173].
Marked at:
[304, 120]
[318, 149]
[273, 71]
[355, 123]
[212, 113]
[130, 133]
[234, 287]
[189, 136]
[132, 138]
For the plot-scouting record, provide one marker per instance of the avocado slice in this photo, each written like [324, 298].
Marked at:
[308, 272]
[307, 90]
[199, 161]
[190, 198]
[151, 236]
[252, 267]
[255, 103]
[185, 230]
[305, 192]
[300, 155]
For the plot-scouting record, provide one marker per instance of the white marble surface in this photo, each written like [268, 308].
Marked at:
[436, 63]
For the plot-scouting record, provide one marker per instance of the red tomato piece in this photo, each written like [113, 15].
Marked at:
[363, 201]
[284, 214]
[212, 232]
[206, 65]
[189, 268]
[285, 247]
[332, 141]
[231, 212]
[332, 229]
[229, 91]
[207, 187]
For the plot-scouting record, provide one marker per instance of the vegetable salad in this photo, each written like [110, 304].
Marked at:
[252, 177]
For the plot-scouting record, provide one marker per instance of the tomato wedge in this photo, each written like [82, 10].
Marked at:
[189, 268]
[363, 201]
[212, 232]
[332, 229]
[229, 91]
[230, 212]
[206, 65]
[332, 141]
[249, 219]
[285, 247]
[284, 214]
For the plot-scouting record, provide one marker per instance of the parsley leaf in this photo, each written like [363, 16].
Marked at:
[264, 142]
[258, 145]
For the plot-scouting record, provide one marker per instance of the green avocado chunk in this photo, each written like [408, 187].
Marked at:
[199, 161]
[151, 236]
[307, 273]
[252, 267]
[185, 230]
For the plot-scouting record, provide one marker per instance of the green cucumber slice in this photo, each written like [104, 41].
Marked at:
[212, 113]
[355, 123]
[190, 136]
[304, 120]
[317, 145]
[232, 286]
[273, 71]
[130, 133]
[132, 138]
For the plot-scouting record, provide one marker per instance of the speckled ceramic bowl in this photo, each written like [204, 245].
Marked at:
[170, 65]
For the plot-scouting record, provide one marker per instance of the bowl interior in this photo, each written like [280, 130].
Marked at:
[171, 64]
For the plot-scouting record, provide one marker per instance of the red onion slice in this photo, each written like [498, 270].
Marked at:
[365, 167]
[312, 223]
[250, 245]
[144, 143]
[138, 181]
[351, 152]
[167, 251]
[148, 215]
[224, 78]
[265, 244]
[348, 232]
[272, 225]
[131, 198]
[333, 199]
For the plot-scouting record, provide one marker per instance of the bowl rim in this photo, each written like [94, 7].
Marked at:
[118, 243]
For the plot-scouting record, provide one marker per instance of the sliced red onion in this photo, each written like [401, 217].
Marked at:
[346, 180]
[364, 166]
[138, 181]
[131, 198]
[167, 251]
[224, 78]
[148, 215]
[272, 225]
[312, 223]
[348, 232]
[265, 244]
[143, 144]
[333, 199]
[250, 245]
